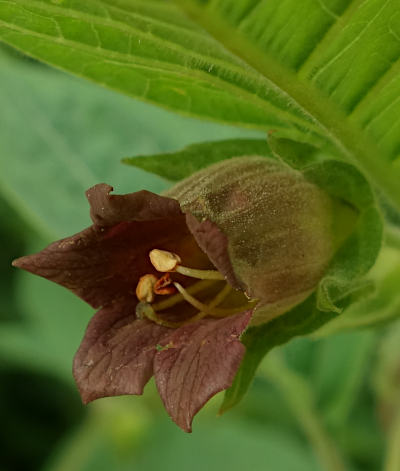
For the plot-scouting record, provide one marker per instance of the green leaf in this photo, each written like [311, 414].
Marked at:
[323, 72]
[342, 181]
[297, 154]
[358, 253]
[178, 165]
[151, 51]
[351, 262]
[343, 280]
[59, 136]
[380, 307]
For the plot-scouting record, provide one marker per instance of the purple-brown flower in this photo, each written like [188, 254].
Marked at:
[178, 279]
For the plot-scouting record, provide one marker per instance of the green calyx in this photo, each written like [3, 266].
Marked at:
[282, 229]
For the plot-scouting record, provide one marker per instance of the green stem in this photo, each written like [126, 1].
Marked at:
[347, 137]
[393, 450]
[299, 397]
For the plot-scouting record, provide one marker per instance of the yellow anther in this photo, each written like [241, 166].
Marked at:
[144, 289]
[164, 261]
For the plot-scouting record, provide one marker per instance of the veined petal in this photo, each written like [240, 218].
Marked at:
[198, 360]
[116, 354]
[103, 264]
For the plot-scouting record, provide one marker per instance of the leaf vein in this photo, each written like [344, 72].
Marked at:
[174, 70]
[348, 46]
[306, 68]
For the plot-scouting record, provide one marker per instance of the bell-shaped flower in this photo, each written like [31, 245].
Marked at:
[178, 278]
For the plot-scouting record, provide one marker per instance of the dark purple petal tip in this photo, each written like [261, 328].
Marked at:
[108, 210]
[198, 361]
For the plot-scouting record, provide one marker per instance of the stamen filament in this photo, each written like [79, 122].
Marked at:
[214, 302]
[221, 296]
[211, 311]
[200, 274]
[146, 310]
[200, 315]
[178, 298]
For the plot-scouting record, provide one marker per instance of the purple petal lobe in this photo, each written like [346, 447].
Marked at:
[198, 360]
[215, 244]
[116, 354]
[108, 210]
[104, 264]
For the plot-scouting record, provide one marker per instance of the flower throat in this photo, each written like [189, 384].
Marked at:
[169, 263]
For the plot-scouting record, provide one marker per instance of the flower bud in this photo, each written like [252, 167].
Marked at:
[279, 227]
